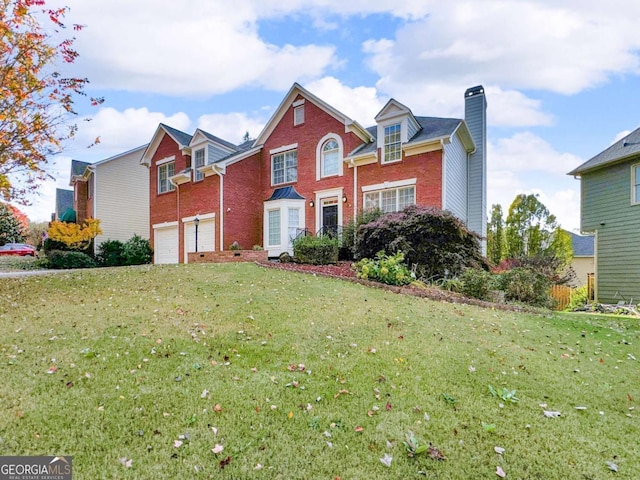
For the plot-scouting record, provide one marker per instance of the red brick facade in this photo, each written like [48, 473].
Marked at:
[246, 179]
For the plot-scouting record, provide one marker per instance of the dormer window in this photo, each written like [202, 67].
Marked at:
[392, 150]
[198, 161]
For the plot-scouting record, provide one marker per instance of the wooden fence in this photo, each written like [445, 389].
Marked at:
[562, 296]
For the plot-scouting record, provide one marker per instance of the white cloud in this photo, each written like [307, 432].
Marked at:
[231, 126]
[361, 104]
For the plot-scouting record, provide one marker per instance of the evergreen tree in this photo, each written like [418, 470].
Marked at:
[495, 235]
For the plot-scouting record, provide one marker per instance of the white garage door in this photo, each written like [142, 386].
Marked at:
[166, 244]
[206, 237]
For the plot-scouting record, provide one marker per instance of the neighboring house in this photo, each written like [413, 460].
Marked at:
[64, 202]
[311, 168]
[115, 191]
[610, 209]
[583, 260]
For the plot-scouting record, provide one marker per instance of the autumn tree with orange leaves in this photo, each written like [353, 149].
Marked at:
[36, 100]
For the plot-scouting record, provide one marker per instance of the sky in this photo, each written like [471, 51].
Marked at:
[562, 77]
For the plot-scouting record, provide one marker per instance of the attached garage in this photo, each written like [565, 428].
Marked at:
[165, 243]
[206, 234]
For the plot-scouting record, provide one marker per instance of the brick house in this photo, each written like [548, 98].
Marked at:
[312, 168]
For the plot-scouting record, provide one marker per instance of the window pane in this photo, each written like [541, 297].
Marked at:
[292, 166]
[274, 227]
[392, 149]
[636, 183]
[388, 201]
[371, 200]
[198, 162]
[330, 158]
[406, 197]
[294, 219]
[278, 169]
[162, 178]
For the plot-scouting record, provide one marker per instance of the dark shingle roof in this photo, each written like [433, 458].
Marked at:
[219, 140]
[78, 167]
[582, 245]
[621, 150]
[288, 193]
[181, 137]
[64, 200]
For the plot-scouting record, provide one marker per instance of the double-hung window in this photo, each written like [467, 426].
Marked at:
[165, 171]
[198, 161]
[390, 200]
[635, 184]
[284, 167]
[392, 143]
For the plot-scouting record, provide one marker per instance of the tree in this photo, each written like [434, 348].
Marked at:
[12, 230]
[246, 137]
[75, 236]
[36, 100]
[495, 235]
[561, 246]
[529, 227]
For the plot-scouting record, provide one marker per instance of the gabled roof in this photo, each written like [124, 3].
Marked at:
[296, 90]
[182, 140]
[623, 149]
[583, 245]
[139, 149]
[214, 139]
[78, 169]
[392, 109]
[64, 200]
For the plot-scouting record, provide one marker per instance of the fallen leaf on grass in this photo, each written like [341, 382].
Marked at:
[359, 429]
[500, 472]
[177, 443]
[612, 466]
[217, 408]
[435, 453]
[217, 449]
[204, 393]
[386, 460]
[551, 414]
[498, 450]
[341, 392]
[128, 463]
[225, 462]
[52, 370]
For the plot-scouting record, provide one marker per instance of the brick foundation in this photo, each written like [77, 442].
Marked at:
[228, 256]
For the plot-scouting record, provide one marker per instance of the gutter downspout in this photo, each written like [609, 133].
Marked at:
[221, 171]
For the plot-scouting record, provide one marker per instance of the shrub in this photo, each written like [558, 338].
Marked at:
[320, 250]
[110, 253]
[550, 266]
[388, 269]
[349, 230]
[258, 248]
[63, 260]
[579, 298]
[476, 283]
[435, 241]
[76, 236]
[526, 286]
[235, 246]
[137, 251]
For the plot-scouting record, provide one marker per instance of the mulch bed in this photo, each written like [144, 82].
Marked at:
[345, 271]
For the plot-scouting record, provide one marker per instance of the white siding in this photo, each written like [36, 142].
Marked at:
[215, 153]
[122, 197]
[455, 179]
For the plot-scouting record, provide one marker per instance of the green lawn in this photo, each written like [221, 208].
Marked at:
[143, 372]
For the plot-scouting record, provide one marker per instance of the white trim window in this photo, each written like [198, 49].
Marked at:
[392, 150]
[330, 161]
[298, 115]
[635, 184]
[198, 161]
[273, 233]
[294, 221]
[284, 167]
[165, 171]
[391, 199]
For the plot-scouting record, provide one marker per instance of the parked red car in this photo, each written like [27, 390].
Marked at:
[20, 249]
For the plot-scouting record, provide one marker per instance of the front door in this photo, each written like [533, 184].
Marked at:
[330, 217]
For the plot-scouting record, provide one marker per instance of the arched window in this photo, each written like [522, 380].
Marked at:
[330, 158]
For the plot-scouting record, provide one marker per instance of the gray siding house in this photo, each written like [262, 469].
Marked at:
[610, 209]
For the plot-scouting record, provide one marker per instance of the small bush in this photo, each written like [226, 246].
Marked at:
[349, 230]
[320, 250]
[476, 283]
[258, 248]
[110, 253]
[63, 260]
[526, 286]
[235, 246]
[579, 298]
[137, 251]
[388, 269]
